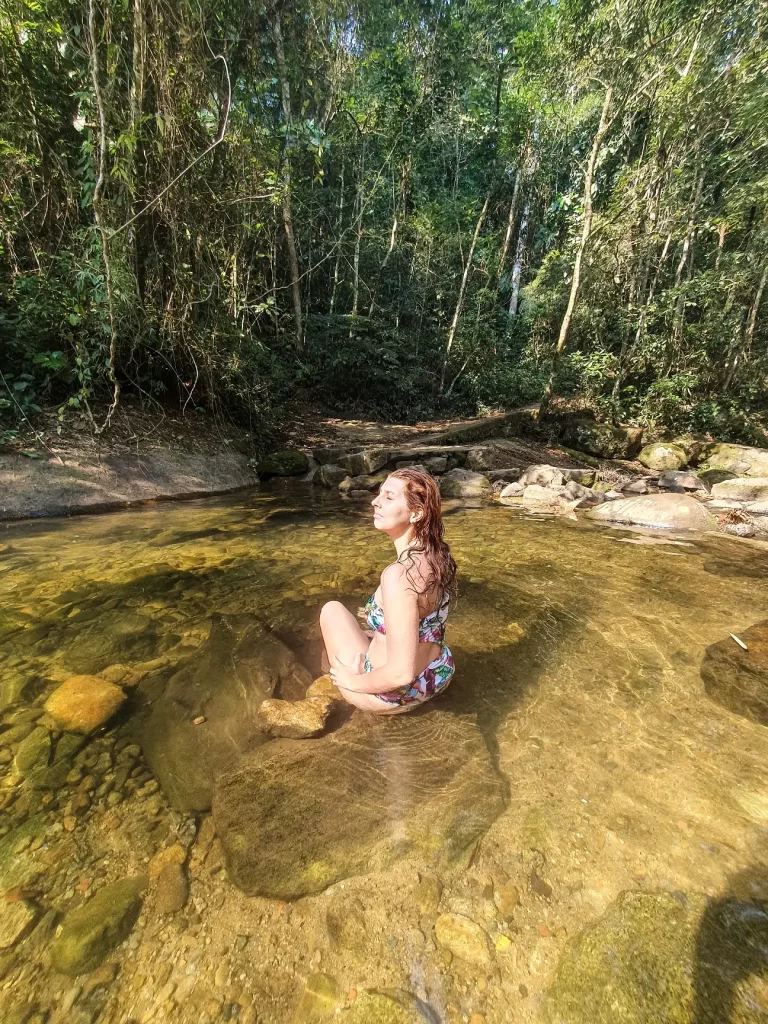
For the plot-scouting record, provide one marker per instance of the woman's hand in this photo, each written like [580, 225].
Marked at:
[347, 676]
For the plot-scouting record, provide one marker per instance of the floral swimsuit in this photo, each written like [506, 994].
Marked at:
[437, 675]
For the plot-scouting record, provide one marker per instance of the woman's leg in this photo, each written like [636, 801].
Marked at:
[344, 638]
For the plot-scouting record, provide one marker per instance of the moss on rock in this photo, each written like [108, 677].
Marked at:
[283, 463]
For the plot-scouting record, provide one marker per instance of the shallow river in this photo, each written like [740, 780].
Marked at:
[575, 832]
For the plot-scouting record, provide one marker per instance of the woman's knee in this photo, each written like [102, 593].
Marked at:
[330, 611]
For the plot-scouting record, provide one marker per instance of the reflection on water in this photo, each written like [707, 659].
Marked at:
[575, 758]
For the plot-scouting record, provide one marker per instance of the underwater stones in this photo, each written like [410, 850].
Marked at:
[287, 462]
[364, 463]
[319, 1000]
[659, 956]
[737, 460]
[464, 483]
[389, 1007]
[172, 889]
[676, 480]
[543, 476]
[744, 489]
[329, 475]
[602, 439]
[295, 817]
[663, 455]
[117, 637]
[17, 920]
[43, 763]
[84, 703]
[90, 932]
[295, 719]
[662, 511]
[464, 939]
[737, 679]
[224, 683]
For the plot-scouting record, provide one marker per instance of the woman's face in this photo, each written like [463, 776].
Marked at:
[390, 509]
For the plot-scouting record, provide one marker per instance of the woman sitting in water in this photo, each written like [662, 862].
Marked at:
[407, 661]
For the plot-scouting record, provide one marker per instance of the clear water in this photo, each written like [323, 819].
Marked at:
[577, 647]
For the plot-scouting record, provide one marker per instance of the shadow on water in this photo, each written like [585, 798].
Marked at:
[731, 946]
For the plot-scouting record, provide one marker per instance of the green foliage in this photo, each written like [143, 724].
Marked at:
[403, 121]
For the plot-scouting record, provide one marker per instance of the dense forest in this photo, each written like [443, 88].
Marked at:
[410, 209]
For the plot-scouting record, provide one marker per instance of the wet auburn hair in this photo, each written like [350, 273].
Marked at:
[423, 495]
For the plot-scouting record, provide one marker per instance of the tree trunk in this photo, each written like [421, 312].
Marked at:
[290, 240]
[510, 227]
[517, 266]
[338, 240]
[585, 232]
[462, 289]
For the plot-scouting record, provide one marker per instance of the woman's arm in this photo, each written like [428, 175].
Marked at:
[400, 604]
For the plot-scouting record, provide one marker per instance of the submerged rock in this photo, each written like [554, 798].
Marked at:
[463, 483]
[663, 455]
[225, 682]
[465, 939]
[389, 1007]
[319, 1000]
[115, 637]
[295, 719]
[17, 920]
[288, 462]
[661, 511]
[737, 460]
[295, 817]
[747, 489]
[44, 763]
[84, 703]
[680, 959]
[737, 679]
[89, 933]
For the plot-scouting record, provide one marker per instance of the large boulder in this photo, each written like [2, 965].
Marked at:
[737, 679]
[736, 459]
[89, 933]
[745, 489]
[221, 687]
[287, 462]
[543, 476]
[296, 816]
[602, 439]
[364, 463]
[677, 480]
[463, 483]
[664, 957]
[84, 703]
[661, 511]
[663, 455]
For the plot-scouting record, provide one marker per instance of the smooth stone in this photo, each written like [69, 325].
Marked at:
[173, 854]
[464, 483]
[172, 889]
[676, 480]
[387, 1007]
[295, 817]
[324, 686]
[319, 1000]
[240, 665]
[757, 508]
[287, 462]
[89, 933]
[738, 460]
[506, 898]
[508, 476]
[464, 939]
[330, 475]
[364, 463]
[84, 703]
[427, 894]
[585, 477]
[740, 529]
[602, 439]
[660, 956]
[575, 491]
[543, 476]
[295, 719]
[636, 487]
[661, 511]
[535, 496]
[737, 679]
[513, 490]
[662, 455]
[742, 489]
[17, 920]
[366, 482]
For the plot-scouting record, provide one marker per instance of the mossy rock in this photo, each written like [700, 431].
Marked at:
[283, 463]
[666, 958]
[91, 932]
[45, 765]
[738, 460]
[663, 455]
[602, 439]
